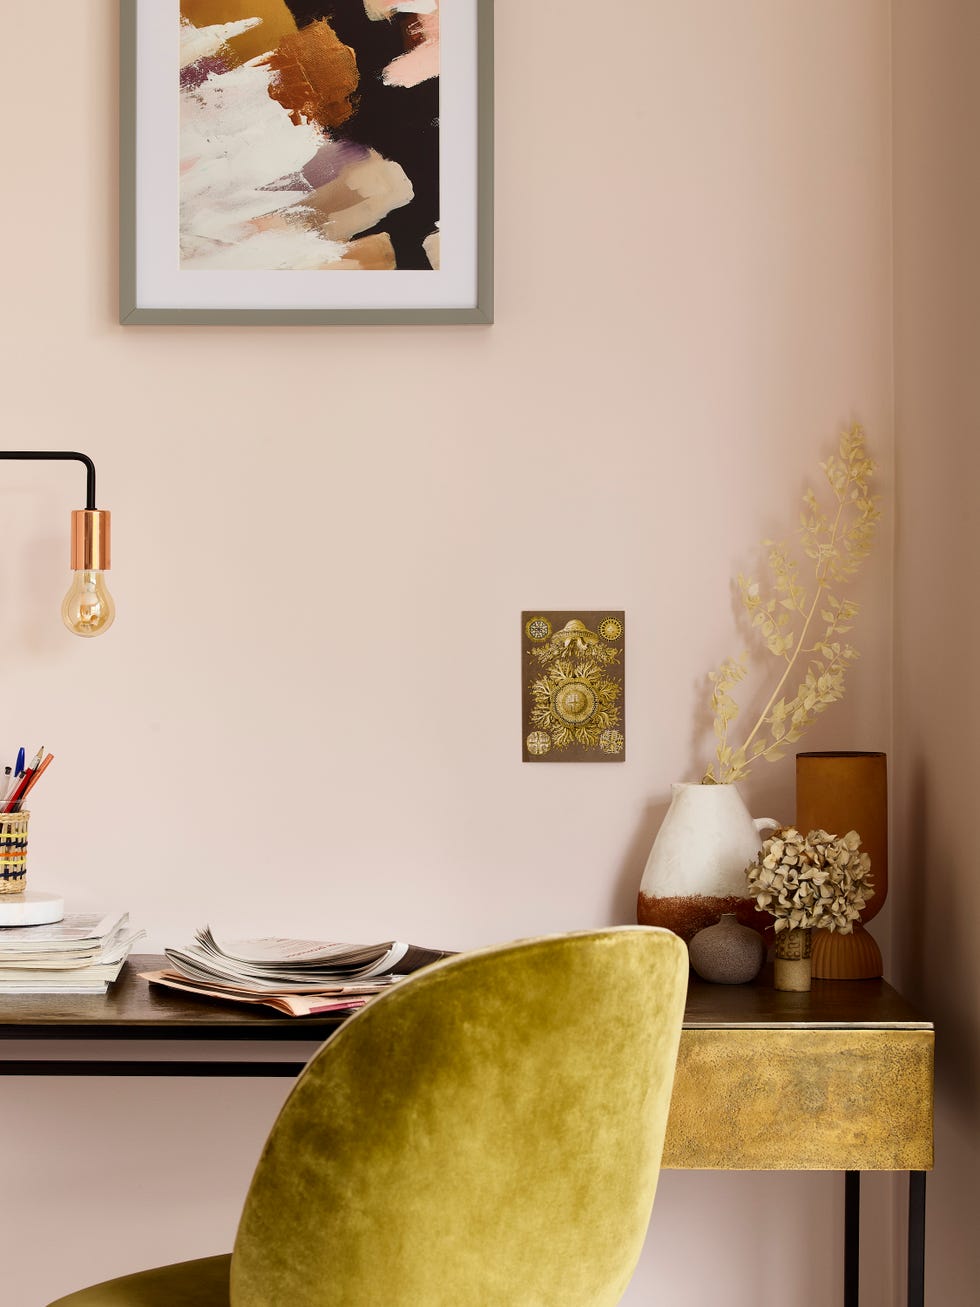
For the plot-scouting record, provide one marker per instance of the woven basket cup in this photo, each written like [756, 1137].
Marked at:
[13, 852]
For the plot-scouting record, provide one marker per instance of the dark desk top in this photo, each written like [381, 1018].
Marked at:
[133, 1009]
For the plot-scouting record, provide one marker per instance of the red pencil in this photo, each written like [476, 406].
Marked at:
[21, 788]
[31, 778]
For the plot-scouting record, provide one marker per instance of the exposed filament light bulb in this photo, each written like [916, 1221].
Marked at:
[88, 608]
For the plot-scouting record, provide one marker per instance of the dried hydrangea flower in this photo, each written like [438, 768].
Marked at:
[814, 882]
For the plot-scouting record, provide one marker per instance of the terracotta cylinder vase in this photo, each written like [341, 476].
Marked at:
[839, 792]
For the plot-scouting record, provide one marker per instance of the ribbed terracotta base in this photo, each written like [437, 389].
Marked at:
[846, 957]
[686, 914]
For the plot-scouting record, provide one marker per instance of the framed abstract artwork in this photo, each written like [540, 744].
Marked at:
[306, 161]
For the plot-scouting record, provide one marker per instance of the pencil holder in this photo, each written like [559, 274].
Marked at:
[13, 852]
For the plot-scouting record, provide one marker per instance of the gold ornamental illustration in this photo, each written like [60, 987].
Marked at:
[573, 685]
[612, 741]
[574, 702]
[575, 639]
[538, 743]
[574, 635]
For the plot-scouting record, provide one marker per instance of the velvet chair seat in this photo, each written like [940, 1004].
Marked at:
[201, 1283]
[486, 1134]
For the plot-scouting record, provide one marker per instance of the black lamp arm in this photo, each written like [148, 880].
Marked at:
[60, 456]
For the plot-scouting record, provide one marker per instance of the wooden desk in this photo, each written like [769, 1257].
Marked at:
[838, 1079]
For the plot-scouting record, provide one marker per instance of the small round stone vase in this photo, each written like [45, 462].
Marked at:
[791, 968]
[727, 953]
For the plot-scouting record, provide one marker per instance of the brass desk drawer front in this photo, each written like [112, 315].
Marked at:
[802, 1100]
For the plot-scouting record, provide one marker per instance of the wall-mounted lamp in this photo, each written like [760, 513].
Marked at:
[88, 607]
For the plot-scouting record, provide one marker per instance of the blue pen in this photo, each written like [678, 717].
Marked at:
[19, 769]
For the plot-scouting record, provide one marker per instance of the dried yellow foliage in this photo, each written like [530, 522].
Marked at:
[802, 627]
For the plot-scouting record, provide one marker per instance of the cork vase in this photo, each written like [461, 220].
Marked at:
[840, 792]
[793, 962]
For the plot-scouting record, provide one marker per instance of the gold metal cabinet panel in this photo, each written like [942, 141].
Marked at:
[802, 1099]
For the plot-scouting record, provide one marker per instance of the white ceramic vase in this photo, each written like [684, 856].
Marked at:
[696, 868]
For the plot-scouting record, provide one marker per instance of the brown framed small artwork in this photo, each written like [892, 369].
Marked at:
[573, 677]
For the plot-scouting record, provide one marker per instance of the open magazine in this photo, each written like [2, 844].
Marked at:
[293, 1005]
[300, 977]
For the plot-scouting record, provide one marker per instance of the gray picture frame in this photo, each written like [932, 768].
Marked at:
[132, 313]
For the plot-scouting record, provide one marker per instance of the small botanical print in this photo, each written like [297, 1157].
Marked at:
[573, 677]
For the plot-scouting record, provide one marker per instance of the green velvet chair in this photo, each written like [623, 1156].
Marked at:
[487, 1134]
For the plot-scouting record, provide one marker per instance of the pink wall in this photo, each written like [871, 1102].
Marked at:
[937, 396]
[690, 305]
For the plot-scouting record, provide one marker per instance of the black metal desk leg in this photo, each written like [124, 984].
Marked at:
[852, 1236]
[917, 1238]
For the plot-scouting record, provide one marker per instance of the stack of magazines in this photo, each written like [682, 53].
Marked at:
[82, 954]
[301, 977]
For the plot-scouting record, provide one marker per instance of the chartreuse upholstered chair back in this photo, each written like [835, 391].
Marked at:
[487, 1134]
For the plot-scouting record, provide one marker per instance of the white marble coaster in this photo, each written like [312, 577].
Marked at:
[32, 908]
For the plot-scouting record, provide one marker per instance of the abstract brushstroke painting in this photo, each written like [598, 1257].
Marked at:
[309, 135]
[267, 142]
